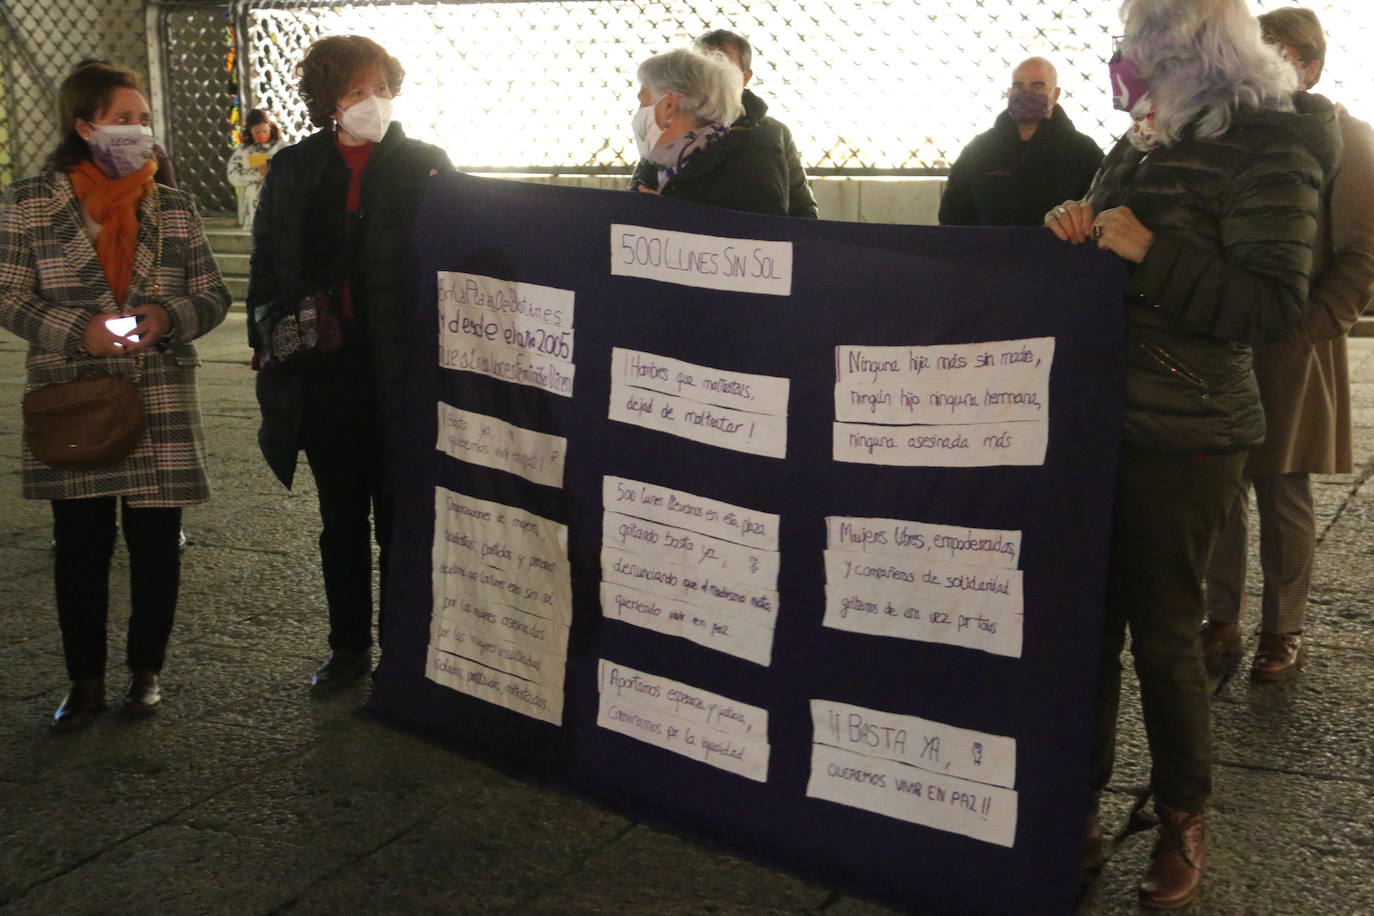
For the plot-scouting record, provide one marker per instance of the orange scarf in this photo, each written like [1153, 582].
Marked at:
[113, 203]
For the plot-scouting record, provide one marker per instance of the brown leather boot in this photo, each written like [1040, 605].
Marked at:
[1278, 656]
[84, 699]
[1222, 644]
[1176, 864]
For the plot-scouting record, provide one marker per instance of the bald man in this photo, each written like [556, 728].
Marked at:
[1031, 159]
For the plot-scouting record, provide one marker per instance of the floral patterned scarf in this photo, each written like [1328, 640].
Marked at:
[671, 157]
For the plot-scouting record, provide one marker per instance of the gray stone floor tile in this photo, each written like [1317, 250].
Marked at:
[335, 795]
[495, 851]
[179, 870]
[687, 878]
[87, 792]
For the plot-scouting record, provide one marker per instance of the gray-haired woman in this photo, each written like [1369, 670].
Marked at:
[1212, 198]
[688, 149]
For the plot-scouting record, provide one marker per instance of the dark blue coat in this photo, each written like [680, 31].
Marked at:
[298, 241]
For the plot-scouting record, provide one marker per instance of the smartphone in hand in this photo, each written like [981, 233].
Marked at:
[123, 325]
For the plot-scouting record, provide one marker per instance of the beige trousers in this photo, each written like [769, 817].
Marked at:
[1288, 536]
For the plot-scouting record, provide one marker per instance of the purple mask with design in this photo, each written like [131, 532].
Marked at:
[1026, 106]
[1127, 84]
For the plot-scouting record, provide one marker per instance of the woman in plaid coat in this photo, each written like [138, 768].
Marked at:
[90, 238]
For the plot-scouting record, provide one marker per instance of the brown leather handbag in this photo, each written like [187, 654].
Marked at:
[84, 423]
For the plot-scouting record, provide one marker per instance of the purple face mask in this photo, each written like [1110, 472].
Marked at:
[1026, 106]
[1127, 84]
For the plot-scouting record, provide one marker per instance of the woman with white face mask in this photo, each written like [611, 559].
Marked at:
[91, 239]
[330, 240]
[687, 145]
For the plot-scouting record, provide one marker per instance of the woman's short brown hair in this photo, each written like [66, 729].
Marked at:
[1298, 28]
[330, 66]
[84, 94]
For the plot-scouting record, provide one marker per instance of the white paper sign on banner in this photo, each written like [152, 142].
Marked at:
[738, 390]
[742, 431]
[704, 261]
[1030, 358]
[916, 741]
[516, 694]
[683, 719]
[502, 594]
[902, 615]
[896, 790]
[739, 524]
[703, 626]
[922, 540]
[962, 446]
[516, 332]
[494, 443]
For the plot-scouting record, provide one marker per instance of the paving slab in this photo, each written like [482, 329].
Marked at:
[648, 871]
[180, 870]
[336, 796]
[1318, 724]
[93, 791]
[495, 852]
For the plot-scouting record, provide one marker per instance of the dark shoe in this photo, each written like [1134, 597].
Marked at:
[342, 668]
[143, 695]
[1222, 644]
[84, 699]
[1278, 656]
[1176, 864]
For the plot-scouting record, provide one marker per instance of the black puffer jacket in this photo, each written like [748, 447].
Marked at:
[800, 201]
[1001, 180]
[298, 240]
[1234, 219]
[744, 170]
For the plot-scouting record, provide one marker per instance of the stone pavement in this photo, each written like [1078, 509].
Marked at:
[248, 795]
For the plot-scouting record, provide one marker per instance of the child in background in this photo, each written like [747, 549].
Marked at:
[248, 165]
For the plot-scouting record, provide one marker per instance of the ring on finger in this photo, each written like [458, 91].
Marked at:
[1097, 230]
[1060, 211]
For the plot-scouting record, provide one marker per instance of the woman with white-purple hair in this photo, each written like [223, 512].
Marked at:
[689, 143]
[1211, 201]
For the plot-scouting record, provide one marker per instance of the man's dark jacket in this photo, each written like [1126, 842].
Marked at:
[298, 248]
[1234, 221]
[1001, 180]
[743, 170]
[800, 200]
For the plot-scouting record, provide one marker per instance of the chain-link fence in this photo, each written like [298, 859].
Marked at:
[869, 87]
[874, 87]
[39, 43]
[200, 59]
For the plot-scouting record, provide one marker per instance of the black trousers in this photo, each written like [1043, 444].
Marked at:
[355, 507]
[84, 530]
[1169, 513]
